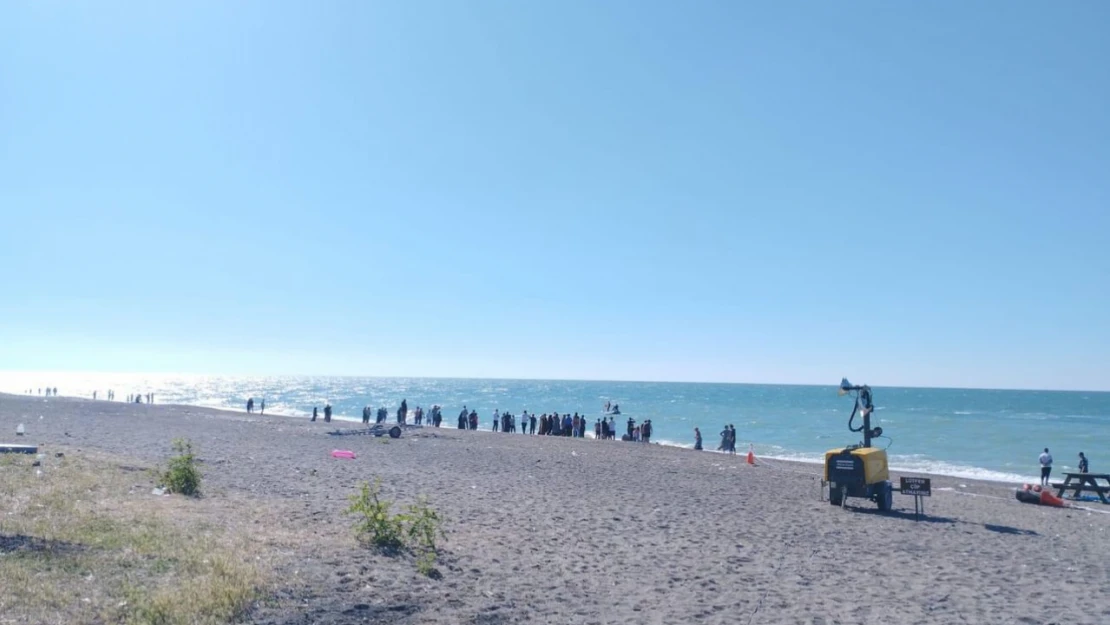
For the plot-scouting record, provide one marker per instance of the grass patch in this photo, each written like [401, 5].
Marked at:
[86, 542]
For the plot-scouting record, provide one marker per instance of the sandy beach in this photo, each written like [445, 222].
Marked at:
[543, 530]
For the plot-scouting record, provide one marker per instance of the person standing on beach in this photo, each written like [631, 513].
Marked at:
[697, 439]
[532, 424]
[327, 413]
[1082, 463]
[1046, 466]
[314, 414]
[262, 406]
[250, 405]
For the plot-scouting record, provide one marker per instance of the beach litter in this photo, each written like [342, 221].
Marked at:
[13, 448]
[343, 453]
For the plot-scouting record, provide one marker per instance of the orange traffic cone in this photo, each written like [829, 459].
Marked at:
[751, 454]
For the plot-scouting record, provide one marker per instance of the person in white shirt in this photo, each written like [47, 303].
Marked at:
[1046, 466]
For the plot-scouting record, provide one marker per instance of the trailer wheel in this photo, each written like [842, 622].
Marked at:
[885, 498]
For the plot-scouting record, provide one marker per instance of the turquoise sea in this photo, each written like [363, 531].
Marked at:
[983, 434]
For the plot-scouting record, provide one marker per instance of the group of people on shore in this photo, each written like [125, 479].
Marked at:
[382, 414]
[134, 398]
[553, 424]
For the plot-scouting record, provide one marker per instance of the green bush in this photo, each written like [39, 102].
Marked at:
[375, 524]
[425, 528]
[417, 530]
[182, 475]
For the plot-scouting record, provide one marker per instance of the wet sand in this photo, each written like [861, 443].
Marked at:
[544, 530]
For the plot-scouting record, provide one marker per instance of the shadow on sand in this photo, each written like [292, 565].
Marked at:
[910, 516]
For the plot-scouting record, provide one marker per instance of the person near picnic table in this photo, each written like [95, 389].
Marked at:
[1046, 466]
[1082, 463]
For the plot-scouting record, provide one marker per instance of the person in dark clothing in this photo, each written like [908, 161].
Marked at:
[261, 406]
[1082, 463]
[327, 413]
[631, 425]
[403, 411]
[366, 415]
[314, 413]
[645, 432]
[697, 439]
[250, 405]
[474, 419]
[532, 424]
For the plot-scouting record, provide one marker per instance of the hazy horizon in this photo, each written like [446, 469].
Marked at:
[832, 385]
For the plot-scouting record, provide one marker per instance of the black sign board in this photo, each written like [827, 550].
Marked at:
[917, 486]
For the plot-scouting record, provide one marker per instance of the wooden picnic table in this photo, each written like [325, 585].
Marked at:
[1084, 481]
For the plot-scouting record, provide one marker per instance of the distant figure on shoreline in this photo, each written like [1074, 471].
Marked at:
[327, 413]
[250, 405]
[403, 412]
[462, 418]
[1046, 466]
[94, 395]
[262, 406]
[697, 439]
[474, 419]
[1082, 463]
[314, 414]
[728, 440]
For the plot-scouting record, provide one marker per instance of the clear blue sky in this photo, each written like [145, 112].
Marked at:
[903, 193]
